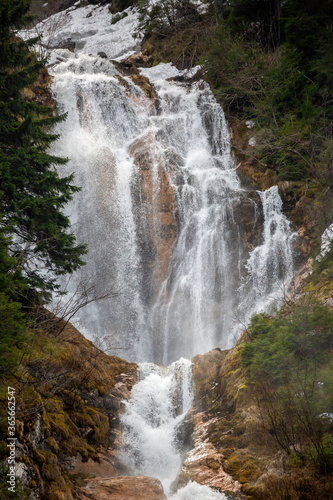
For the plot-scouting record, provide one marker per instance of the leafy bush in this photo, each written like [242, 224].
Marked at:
[288, 363]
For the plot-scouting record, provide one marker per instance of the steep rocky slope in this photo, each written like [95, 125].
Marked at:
[68, 398]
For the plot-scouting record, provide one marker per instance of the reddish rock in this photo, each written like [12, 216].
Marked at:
[297, 284]
[203, 463]
[105, 468]
[123, 488]
[157, 198]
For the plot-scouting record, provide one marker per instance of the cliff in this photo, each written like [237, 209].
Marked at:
[68, 398]
[253, 437]
[263, 426]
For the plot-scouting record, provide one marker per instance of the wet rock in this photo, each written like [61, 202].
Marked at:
[297, 284]
[142, 59]
[203, 463]
[247, 210]
[102, 55]
[123, 488]
[184, 432]
[157, 219]
[66, 44]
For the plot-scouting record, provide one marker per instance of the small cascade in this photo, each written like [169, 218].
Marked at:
[158, 405]
[152, 442]
[270, 264]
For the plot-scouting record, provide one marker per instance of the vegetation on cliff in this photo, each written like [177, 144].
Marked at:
[268, 405]
[68, 394]
[288, 364]
[268, 402]
[36, 244]
[65, 394]
[268, 63]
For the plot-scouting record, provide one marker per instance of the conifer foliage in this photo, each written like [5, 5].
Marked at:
[32, 193]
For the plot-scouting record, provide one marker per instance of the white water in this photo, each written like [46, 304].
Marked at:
[158, 405]
[152, 438]
[195, 491]
[233, 252]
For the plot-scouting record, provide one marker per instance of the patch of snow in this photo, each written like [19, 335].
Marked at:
[163, 71]
[252, 142]
[249, 123]
[326, 240]
[328, 416]
[91, 31]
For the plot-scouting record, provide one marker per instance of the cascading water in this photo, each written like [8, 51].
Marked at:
[158, 405]
[152, 447]
[188, 252]
[138, 160]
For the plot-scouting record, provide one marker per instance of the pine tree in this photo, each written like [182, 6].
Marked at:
[32, 193]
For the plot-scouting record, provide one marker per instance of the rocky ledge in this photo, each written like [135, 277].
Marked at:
[122, 488]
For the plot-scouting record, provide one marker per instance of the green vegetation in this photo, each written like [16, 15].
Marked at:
[32, 192]
[118, 17]
[288, 363]
[60, 386]
[34, 232]
[267, 61]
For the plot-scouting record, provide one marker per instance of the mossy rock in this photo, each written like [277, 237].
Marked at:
[52, 444]
[144, 83]
[245, 468]
[38, 456]
[101, 390]
[59, 489]
[97, 421]
[62, 425]
[50, 472]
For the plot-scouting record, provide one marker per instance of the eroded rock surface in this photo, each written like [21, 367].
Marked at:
[203, 463]
[157, 218]
[123, 488]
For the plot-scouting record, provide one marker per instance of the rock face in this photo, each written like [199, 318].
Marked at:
[157, 219]
[103, 468]
[203, 463]
[122, 488]
[69, 421]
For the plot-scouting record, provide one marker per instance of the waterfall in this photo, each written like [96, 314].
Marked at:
[152, 444]
[187, 253]
[159, 403]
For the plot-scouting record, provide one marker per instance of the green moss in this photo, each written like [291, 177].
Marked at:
[58, 489]
[38, 456]
[50, 472]
[245, 468]
[144, 83]
[52, 444]
[101, 390]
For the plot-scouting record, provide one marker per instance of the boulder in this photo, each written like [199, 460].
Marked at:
[123, 488]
